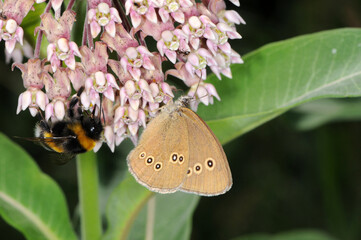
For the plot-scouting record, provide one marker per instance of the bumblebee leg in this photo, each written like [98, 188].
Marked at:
[39, 115]
[73, 102]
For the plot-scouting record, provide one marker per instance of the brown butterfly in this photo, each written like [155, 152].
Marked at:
[178, 151]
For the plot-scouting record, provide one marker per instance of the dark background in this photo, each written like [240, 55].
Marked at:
[284, 179]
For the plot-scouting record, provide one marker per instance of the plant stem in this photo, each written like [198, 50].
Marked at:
[85, 29]
[40, 34]
[88, 196]
[70, 5]
[150, 219]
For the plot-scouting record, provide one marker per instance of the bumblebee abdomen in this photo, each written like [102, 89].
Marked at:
[51, 143]
[84, 141]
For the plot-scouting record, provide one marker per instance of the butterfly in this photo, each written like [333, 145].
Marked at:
[179, 152]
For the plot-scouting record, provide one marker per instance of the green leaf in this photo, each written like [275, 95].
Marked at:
[292, 235]
[172, 218]
[282, 75]
[127, 210]
[318, 113]
[124, 204]
[29, 200]
[32, 20]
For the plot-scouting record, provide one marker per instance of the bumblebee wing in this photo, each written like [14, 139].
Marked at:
[50, 143]
[46, 139]
[57, 158]
[62, 158]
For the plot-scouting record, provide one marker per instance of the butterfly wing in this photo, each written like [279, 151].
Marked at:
[160, 160]
[208, 173]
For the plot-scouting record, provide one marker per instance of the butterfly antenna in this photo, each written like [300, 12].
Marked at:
[199, 82]
[195, 92]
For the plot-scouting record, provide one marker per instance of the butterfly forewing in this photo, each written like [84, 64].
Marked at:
[208, 173]
[160, 161]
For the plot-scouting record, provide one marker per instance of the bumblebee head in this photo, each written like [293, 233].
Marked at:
[92, 127]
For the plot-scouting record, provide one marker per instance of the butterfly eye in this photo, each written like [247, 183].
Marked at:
[198, 168]
[92, 129]
[158, 166]
[149, 160]
[210, 164]
[142, 155]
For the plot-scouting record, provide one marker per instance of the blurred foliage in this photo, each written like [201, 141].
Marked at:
[283, 179]
[315, 114]
[293, 235]
[25, 194]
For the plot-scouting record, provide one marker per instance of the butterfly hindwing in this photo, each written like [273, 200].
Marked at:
[208, 173]
[160, 160]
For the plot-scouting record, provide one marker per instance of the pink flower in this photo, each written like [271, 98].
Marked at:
[235, 2]
[77, 76]
[127, 121]
[223, 28]
[171, 42]
[34, 99]
[57, 29]
[198, 27]
[139, 8]
[134, 59]
[16, 10]
[197, 62]
[95, 67]
[182, 73]
[94, 60]
[174, 9]
[161, 92]
[135, 93]
[156, 74]
[62, 50]
[224, 62]
[108, 117]
[230, 17]
[122, 75]
[58, 90]
[101, 82]
[121, 41]
[103, 16]
[11, 33]
[154, 30]
[203, 92]
[19, 52]
[56, 4]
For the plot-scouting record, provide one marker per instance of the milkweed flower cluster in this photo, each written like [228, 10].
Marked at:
[130, 85]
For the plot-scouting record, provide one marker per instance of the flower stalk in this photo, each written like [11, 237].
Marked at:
[88, 185]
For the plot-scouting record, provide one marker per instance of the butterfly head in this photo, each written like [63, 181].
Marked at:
[184, 101]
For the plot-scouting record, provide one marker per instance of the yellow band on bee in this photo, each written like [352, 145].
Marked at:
[51, 143]
[86, 142]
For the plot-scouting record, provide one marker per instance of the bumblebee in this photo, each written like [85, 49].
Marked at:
[77, 133]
